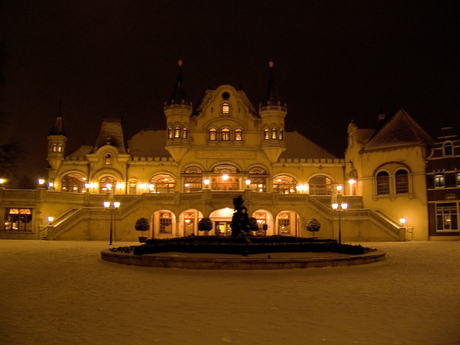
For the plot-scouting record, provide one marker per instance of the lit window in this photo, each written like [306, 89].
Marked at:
[439, 180]
[225, 108]
[73, 183]
[108, 159]
[383, 183]
[238, 134]
[54, 148]
[212, 134]
[281, 137]
[274, 134]
[177, 132]
[106, 184]
[165, 223]
[284, 184]
[266, 134]
[18, 219]
[170, 133]
[320, 185]
[225, 134]
[184, 133]
[162, 183]
[59, 148]
[402, 182]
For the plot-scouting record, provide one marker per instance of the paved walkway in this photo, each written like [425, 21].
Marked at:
[64, 293]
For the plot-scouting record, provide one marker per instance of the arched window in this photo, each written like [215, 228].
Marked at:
[162, 183]
[225, 134]
[106, 184]
[224, 177]
[320, 185]
[238, 134]
[284, 184]
[132, 187]
[177, 132]
[193, 182]
[383, 183]
[266, 134]
[402, 181]
[170, 133]
[212, 134]
[258, 179]
[184, 133]
[73, 183]
[448, 149]
[108, 159]
[225, 108]
[281, 136]
[274, 134]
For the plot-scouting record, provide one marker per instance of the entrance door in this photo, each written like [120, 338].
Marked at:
[223, 229]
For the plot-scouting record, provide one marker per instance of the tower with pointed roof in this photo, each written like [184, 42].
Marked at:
[272, 114]
[57, 140]
[177, 112]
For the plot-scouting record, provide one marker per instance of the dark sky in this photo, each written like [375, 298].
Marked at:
[334, 61]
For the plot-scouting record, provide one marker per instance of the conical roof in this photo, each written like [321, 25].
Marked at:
[400, 130]
[271, 96]
[178, 95]
[58, 128]
[111, 133]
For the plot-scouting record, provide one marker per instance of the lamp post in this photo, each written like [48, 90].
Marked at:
[111, 206]
[340, 207]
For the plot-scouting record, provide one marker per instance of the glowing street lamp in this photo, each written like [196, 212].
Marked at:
[248, 182]
[111, 206]
[403, 221]
[340, 207]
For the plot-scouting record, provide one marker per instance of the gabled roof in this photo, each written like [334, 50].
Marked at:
[111, 133]
[400, 130]
[298, 146]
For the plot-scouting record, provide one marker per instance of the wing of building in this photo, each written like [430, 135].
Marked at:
[224, 148]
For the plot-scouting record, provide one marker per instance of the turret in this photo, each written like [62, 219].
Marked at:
[57, 140]
[272, 114]
[178, 112]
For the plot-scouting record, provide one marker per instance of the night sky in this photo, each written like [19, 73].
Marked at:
[334, 61]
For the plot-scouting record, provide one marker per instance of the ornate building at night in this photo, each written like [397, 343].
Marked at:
[211, 153]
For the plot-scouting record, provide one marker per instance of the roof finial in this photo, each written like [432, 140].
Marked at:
[180, 63]
[270, 64]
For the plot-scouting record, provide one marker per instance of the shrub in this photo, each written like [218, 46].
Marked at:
[313, 225]
[205, 224]
[142, 224]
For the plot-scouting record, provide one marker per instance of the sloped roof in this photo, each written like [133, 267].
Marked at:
[148, 143]
[400, 130]
[207, 96]
[298, 146]
[81, 152]
[58, 128]
[111, 133]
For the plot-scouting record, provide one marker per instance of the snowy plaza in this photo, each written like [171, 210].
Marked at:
[62, 292]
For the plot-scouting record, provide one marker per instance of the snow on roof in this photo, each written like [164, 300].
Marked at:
[148, 143]
[298, 146]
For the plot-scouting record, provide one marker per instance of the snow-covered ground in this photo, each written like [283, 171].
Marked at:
[63, 293]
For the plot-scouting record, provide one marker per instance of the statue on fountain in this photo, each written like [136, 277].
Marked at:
[241, 223]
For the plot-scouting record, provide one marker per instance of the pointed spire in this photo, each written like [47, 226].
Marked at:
[58, 128]
[271, 97]
[178, 96]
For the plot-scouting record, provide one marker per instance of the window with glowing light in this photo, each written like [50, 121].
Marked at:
[162, 183]
[238, 134]
[258, 177]
[225, 108]
[107, 183]
[213, 134]
[184, 133]
[73, 183]
[284, 184]
[177, 132]
[274, 134]
[165, 223]
[132, 187]
[320, 185]
[225, 179]
[266, 134]
[107, 159]
[225, 134]
[170, 133]
[18, 219]
[281, 135]
[284, 227]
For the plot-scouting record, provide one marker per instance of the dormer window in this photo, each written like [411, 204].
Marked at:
[212, 134]
[225, 108]
[225, 134]
[108, 159]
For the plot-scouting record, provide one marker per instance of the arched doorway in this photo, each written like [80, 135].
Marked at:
[188, 222]
[288, 224]
[264, 221]
[164, 224]
[221, 219]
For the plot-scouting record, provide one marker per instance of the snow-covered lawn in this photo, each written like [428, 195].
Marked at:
[64, 293]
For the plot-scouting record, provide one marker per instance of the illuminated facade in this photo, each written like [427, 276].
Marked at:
[214, 152]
